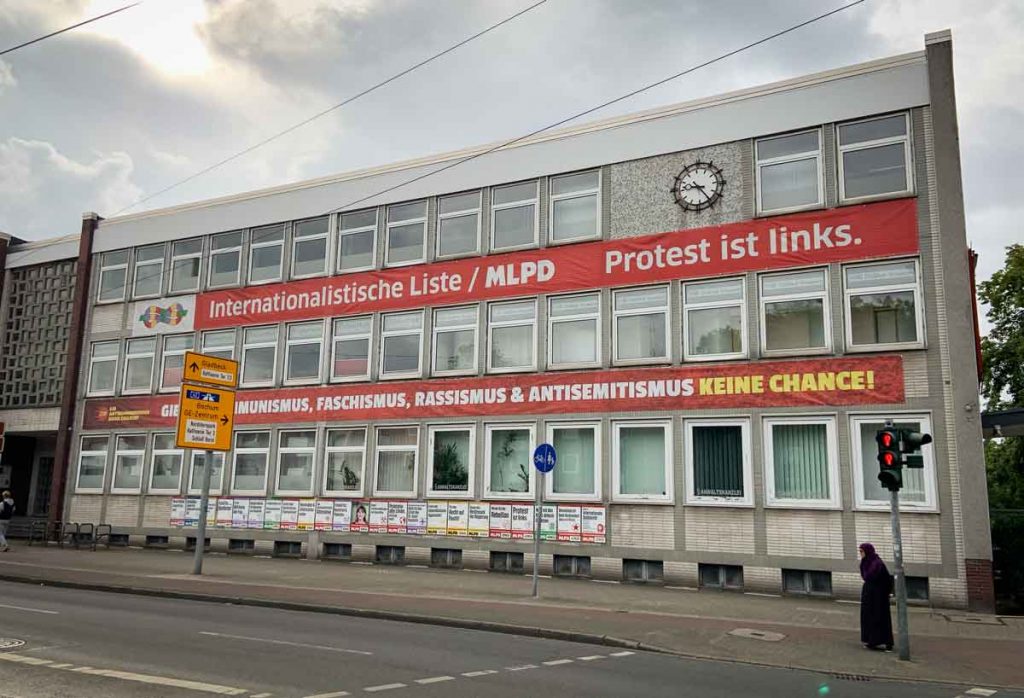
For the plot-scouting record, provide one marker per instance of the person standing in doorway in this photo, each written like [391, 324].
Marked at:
[6, 512]
[875, 619]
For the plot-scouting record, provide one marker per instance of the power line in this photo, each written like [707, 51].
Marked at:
[67, 29]
[330, 109]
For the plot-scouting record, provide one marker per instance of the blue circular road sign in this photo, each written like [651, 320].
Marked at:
[544, 458]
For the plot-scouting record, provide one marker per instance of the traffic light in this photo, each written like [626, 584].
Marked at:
[890, 459]
[910, 442]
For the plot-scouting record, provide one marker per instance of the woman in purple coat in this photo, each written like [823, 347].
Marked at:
[875, 620]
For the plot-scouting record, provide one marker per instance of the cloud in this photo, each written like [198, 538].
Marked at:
[7, 78]
[32, 171]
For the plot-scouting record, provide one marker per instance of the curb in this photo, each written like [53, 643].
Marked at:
[461, 623]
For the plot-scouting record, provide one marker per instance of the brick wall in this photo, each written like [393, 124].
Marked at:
[643, 527]
[980, 590]
[805, 533]
[720, 530]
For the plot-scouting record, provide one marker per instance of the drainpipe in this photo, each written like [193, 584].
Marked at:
[72, 363]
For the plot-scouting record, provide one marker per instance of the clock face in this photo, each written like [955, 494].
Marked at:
[699, 186]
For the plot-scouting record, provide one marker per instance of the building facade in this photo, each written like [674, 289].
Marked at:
[708, 309]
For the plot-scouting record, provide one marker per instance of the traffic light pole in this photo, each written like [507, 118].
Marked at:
[204, 506]
[903, 641]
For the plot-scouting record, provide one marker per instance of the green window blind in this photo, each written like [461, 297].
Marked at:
[800, 460]
[717, 461]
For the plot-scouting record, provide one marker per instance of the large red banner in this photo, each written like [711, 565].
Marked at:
[825, 382]
[833, 235]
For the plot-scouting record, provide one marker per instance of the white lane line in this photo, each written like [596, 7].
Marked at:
[285, 642]
[129, 676]
[61, 666]
[30, 610]
[261, 695]
[384, 687]
[435, 679]
[474, 674]
[980, 692]
[591, 657]
[624, 653]
[766, 596]
[336, 694]
[557, 662]
[522, 667]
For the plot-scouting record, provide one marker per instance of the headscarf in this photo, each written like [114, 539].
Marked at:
[871, 563]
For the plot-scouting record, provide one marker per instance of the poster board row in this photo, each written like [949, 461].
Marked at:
[570, 523]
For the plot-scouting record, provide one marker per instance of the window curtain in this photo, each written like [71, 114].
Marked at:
[395, 471]
[574, 473]
[717, 461]
[642, 460]
[800, 459]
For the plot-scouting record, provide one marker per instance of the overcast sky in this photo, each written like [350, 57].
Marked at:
[94, 119]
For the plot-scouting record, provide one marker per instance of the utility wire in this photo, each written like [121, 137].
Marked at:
[330, 109]
[67, 29]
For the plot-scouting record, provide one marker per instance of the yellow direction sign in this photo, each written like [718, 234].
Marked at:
[205, 418]
[214, 370]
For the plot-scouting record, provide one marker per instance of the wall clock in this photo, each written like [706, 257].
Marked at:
[698, 186]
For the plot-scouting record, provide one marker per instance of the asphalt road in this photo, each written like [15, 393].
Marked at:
[85, 644]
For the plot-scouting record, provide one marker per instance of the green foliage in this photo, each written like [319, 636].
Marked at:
[1003, 348]
[1004, 461]
[449, 471]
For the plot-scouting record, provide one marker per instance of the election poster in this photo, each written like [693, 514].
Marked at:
[501, 521]
[378, 516]
[324, 515]
[360, 517]
[458, 518]
[416, 518]
[306, 518]
[437, 518]
[549, 522]
[342, 515]
[479, 520]
[256, 508]
[289, 514]
[239, 513]
[178, 511]
[272, 512]
[396, 517]
[569, 524]
[192, 511]
[224, 506]
[595, 524]
[522, 522]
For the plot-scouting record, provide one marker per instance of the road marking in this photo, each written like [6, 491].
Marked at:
[128, 676]
[284, 642]
[435, 679]
[591, 657]
[30, 610]
[384, 687]
[557, 662]
[60, 666]
[336, 694]
[474, 674]
[981, 692]
[523, 667]
[767, 596]
[624, 653]
[261, 695]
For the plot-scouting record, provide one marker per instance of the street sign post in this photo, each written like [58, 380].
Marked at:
[206, 416]
[544, 458]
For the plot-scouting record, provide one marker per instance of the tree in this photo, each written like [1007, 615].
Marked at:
[1003, 348]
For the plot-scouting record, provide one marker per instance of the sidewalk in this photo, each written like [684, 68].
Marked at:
[949, 646]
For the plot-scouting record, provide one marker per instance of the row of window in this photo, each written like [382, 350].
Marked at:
[800, 458]
[882, 311]
[874, 160]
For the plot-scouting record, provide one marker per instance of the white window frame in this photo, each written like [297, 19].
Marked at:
[834, 500]
[535, 202]
[665, 311]
[89, 390]
[552, 198]
[795, 157]
[342, 232]
[164, 353]
[491, 325]
[368, 336]
[313, 450]
[825, 295]
[211, 333]
[549, 481]
[328, 449]
[860, 502]
[260, 245]
[690, 497]
[104, 268]
[478, 211]
[289, 343]
[128, 356]
[377, 449]
[216, 252]
[381, 375]
[296, 239]
[106, 463]
[216, 488]
[435, 331]
[154, 452]
[714, 305]
[171, 290]
[421, 220]
[598, 331]
[258, 345]
[143, 264]
[471, 483]
[908, 158]
[236, 450]
[141, 453]
[919, 313]
[670, 492]
[530, 494]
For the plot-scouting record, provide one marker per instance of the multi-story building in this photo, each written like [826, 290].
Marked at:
[708, 309]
